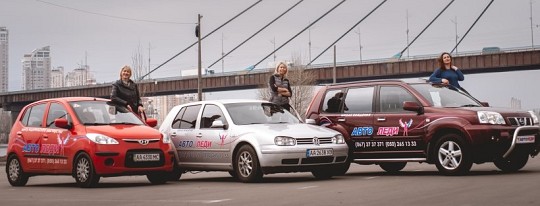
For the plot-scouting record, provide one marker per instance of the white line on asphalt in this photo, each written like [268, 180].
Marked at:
[216, 201]
[369, 178]
[308, 187]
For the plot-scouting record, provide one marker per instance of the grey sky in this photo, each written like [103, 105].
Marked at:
[78, 26]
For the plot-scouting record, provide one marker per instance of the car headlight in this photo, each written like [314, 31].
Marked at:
[487, 117]
[284, 141]
[165, 138]
[338, 139]
[534, 117]
[101, 139]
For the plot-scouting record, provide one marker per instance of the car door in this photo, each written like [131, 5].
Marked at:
[357, 117]
[57, 148]
[183, 134]
[32, 134]
[397, 133]
[214, 144]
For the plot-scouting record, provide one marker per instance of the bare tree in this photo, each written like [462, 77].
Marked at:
[5, 125]
[302, 84]
[139, 68]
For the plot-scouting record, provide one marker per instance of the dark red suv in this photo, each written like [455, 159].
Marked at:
[392, 122]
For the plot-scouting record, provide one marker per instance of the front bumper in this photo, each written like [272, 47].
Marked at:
[273, 156]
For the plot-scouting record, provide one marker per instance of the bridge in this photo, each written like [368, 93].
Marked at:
[345, 71]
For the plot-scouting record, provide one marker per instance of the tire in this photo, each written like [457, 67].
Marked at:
[341, 169]
[158, 178]
[513, 163]
[84, 171]
[15, 173]
[452, 156]
[175, 174]
[246, 165]
[323, 173]
[392, 167]
[233, 174]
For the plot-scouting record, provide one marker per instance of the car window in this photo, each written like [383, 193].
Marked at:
[176, 122]
[210, 114]
[188, 119]
[103, 113]
[359, 100]
[391, 99]
[333, 101]
[440, 96]
[56, 111]
[259, 113]
[35, 117]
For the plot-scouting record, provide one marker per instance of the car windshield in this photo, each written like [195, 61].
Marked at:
[103, 113]
[442, 96]
[259, 113]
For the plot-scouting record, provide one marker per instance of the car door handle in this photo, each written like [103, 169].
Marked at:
[45, 136]
[341, 119]
[173, 134]
[199, 135]
[19, 134]
[381, 119]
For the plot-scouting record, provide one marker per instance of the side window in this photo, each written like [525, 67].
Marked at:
[333, 101]
[359, 100]
[176, 122]
[56, 111]
[391, 99]
[26, 116]
[36, 115]
[188, 119]
[210, 113]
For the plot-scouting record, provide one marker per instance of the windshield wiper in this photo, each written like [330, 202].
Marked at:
[95, 123]
[469, 105]
[128, 123]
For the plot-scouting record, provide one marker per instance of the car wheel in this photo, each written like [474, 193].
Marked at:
[341, 169]
[233, 174]
[157, 178]
[513, 163]
[15, 173]
[323, 173]
[452, 156]
[84, 171]
[392, 166]
[176, 173]
[247, 166]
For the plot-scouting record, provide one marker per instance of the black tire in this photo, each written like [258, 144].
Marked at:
[341, 169]
[158, 178]
[15, 172]
[233, 174]
[84, 172]
[513, 163]
[451, 155]
[323, 173]
[246, 165]
[176, 173]
[392, 167]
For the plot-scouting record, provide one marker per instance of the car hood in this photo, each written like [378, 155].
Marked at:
[291, 130]
[467, 110]
[125, 131]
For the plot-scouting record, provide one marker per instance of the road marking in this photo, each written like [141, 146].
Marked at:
[369, 178]
[308, 187]
[215, 201]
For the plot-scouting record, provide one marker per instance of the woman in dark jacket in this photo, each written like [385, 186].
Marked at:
[125, 92]
[280, 87]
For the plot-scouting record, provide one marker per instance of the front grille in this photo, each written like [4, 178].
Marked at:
[520, 121]
[141, 141]
[315, 140]
[132, 164]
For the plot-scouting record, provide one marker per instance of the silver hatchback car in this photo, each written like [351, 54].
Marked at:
[249, 138]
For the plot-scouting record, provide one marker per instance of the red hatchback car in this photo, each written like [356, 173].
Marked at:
[87, 138]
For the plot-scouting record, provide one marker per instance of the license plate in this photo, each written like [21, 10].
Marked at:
[524, 139]
[319, 152]
[145, 157]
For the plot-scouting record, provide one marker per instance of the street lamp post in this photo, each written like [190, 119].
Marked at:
[199, 72]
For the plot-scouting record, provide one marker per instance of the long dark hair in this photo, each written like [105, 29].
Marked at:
[441, 62]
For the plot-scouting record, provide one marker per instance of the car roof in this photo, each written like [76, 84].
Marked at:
[224, 101]
[73, 99]
[406, 81]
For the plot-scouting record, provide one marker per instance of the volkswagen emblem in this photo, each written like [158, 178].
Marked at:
[144, 141]
[316, 141]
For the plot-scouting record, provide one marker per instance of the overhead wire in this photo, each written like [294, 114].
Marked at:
[343, 35]
[468, 30]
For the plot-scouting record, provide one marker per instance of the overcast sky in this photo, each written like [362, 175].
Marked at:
[109, 32]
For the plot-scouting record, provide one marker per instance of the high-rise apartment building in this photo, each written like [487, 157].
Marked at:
[80, 76]
[57, 77]
[37, 69]
[4, 48]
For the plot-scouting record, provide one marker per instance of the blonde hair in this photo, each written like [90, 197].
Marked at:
[126, 67]
[277, 68]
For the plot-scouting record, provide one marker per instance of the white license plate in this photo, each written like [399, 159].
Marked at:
[524, 139]
[145, 157]
[319, 152]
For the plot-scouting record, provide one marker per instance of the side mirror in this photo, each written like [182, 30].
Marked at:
[62, 123]
[310, 121]
[218, 124]
[413, 106]
[151, 122]
[485, 104]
